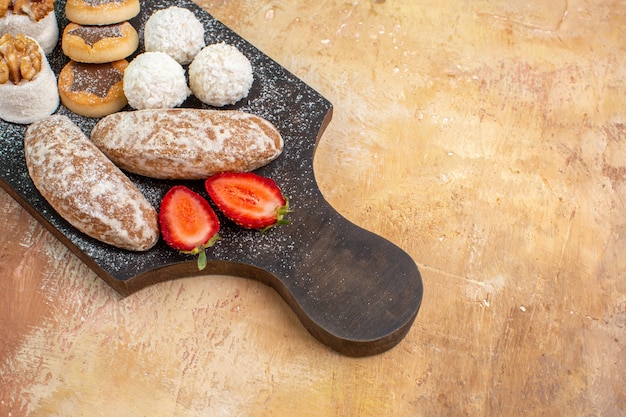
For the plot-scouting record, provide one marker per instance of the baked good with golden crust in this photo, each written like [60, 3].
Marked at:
[86, 188]
[93, 90]
[99, 44]
[187, 143]
[101, 12]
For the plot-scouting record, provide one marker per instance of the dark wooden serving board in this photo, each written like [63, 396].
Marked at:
[353, 290]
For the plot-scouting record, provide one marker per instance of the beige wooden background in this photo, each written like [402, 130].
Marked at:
[486, 138]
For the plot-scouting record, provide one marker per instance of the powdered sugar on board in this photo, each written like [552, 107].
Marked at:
[298, 112]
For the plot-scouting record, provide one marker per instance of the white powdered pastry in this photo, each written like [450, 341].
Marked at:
[220, 75]
[185, 143]
[154, 80]
[45, 32]
[30, 101]
[85, 187]
[175, 31]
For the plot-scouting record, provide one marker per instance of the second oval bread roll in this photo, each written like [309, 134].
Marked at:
[85, 188]
[187, 144]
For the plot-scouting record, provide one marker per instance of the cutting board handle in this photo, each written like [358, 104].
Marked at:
[353, 290]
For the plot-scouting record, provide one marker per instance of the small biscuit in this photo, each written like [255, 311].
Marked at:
[99, 44]
[93, 90]
[101, 12]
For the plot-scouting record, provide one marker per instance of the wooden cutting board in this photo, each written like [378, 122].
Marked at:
[353, 290]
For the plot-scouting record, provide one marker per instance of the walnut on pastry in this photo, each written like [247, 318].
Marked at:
[4, 7]
[20, 59]
[35, 9]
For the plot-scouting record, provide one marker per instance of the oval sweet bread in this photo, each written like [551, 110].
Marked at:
[187, 143]
[86, 188]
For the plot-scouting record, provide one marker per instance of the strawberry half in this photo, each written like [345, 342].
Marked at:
[248, 199]
[188, 223]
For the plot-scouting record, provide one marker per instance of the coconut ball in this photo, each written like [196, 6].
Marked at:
[154, 80]
[220, 75]
[175, 31]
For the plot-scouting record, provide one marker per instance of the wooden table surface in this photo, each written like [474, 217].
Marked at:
[487, 139]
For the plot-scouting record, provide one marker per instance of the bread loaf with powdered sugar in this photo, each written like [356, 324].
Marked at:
[86, 188]
[185, 143]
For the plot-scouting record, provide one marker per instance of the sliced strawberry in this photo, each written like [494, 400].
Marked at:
[188, 223]
[248, 199]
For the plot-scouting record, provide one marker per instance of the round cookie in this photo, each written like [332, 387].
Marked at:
[99, 44]
[101, 12]
[93, 90]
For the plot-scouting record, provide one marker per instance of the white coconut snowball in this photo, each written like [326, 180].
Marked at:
[220, 75]
[154, 80]
[175, 31]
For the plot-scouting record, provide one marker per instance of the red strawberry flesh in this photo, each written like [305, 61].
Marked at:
[248, 199]
[187, 221]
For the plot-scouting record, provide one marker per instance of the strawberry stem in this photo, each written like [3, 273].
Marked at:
[202, 260]
[280, 214]
[201, 251]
